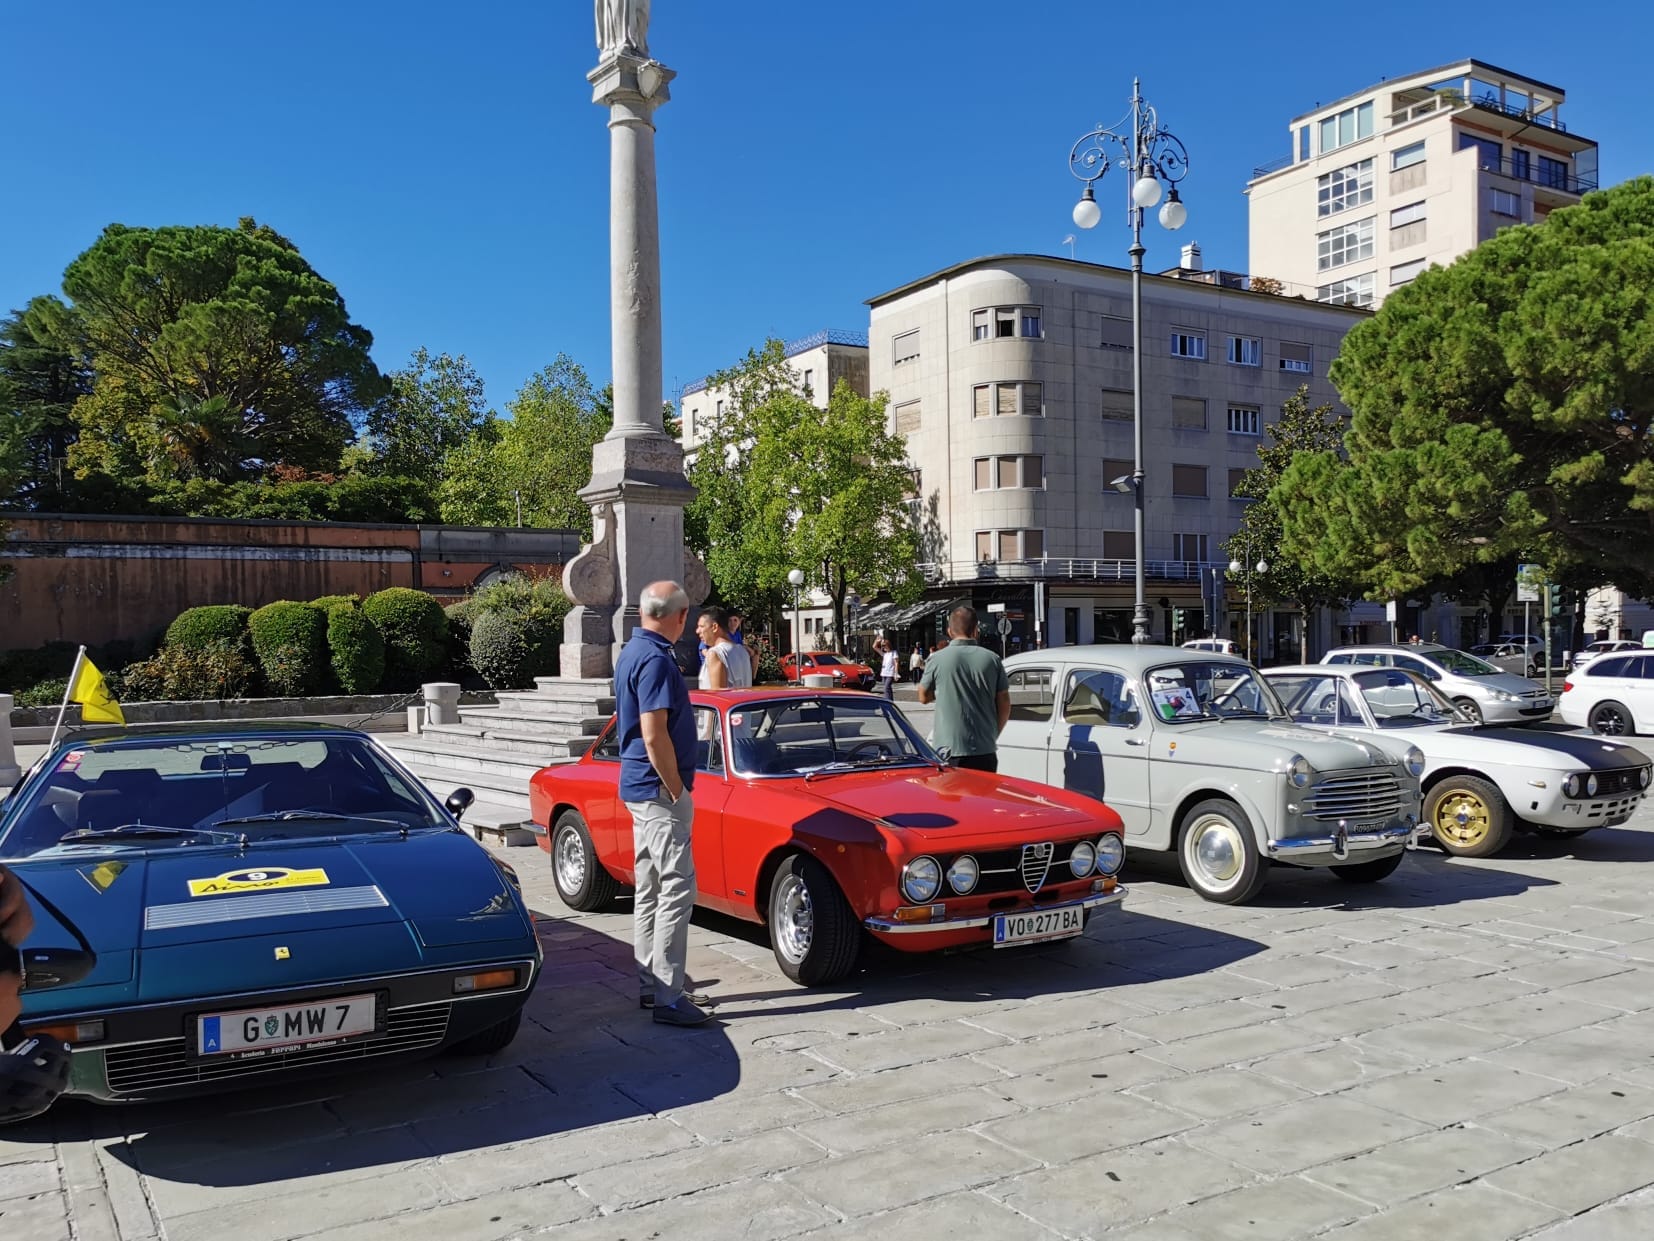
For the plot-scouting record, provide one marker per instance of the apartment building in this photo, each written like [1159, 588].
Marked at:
[1412, 172]
[1011, 379]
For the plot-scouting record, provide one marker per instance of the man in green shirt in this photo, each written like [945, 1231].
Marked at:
[973, 699]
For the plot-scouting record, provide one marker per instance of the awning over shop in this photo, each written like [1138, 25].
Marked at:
[894, 616]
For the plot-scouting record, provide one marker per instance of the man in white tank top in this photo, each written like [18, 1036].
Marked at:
[727, 664]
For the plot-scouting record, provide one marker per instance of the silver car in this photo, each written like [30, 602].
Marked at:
[1194, 752]
[1512, 657]
[1477, 688]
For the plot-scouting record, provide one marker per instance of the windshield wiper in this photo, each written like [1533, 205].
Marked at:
[137, 831]
[840, 766]
[288, 816]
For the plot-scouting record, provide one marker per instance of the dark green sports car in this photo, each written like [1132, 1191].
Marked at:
[262, 902]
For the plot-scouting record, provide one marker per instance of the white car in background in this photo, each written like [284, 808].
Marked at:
[1480, 690]
[1604, 646]
[1480, 783]
[1511, 657]
[1217, 646]
[1612, 695]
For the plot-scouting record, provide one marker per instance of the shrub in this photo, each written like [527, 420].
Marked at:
[328, 602]
[356, 648]
[199, 628]
[47, 693]
[290, 641]
[766, 665]
[512, 646]
[178, 674]
[460, 616]
[22, 668]
[415, 633]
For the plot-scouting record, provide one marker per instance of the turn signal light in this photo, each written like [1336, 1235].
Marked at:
[920, 913]
[1106, 884]
[75, 1033]
[491, 980]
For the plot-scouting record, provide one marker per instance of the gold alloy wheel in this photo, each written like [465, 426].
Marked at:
[1463, 819]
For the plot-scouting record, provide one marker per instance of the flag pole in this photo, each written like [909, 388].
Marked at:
[68, 689]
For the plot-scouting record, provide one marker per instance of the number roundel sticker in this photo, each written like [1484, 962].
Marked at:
[263, 879]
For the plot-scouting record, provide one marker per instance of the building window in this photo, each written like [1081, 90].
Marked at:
[1348, 243]
[1189, 413]
[1406, 157]
[906, 347]
[1506, 203]
[1116, 333]
[1237, 480]
[1407, 226]
[1189, 480]
[1190, 547]
[1354, 291]
[1113, 468]
[809, 380]
[1117, 405]
[1553, 172]
[984, 545]
[1303, 143]
[1005, 321]
[689, 424]
[1009, 400]
[1491, 154]
[1009, 473]
[907, 417]
[1518, 164]
[1343, 188]
[1119, 545]
[1189, 345]
[1405, 273]
[1243, 419]
[1343, 128]
[720, 412]
[1245, 351]
[1296, 357]
[1010, 545]
[1411, 213]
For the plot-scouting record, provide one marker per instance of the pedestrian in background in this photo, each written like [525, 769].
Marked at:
[889, 668]
[726, 664]
[657, 777]
[916, 662]
[967, 683]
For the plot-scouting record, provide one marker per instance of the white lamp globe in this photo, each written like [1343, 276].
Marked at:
[1263, 566]
[796, 576]
[1087, 212]
[1173, 213]
[1146, 192]
[1234, 566]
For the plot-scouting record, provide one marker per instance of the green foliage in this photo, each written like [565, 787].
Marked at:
[1502, 409]
[41, 378]
[356, 649]
[199, 628]
[766, 666]
[415, 633]
[290, 641]
[352, 498]
[47, 693]
[328, 602]
[460, 615]
[217, 352]
[435, 404]
[516, 629]
[542, 452]
[218, 670]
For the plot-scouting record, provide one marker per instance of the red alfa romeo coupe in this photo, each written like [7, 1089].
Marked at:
[823, 815]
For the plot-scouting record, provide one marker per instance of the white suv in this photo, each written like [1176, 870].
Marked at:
[1612, 695]
[1482, 691]
[1216, 646]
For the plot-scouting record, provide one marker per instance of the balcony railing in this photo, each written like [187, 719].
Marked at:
[1274, 165]
[1490, 103]
[1067, 569]
[1529, 170]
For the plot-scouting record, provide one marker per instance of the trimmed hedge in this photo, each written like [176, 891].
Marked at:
[460, 616]
[509, 648]
[356, 648]
[415, 632]
[290, 640]
[328, 602]
[176, 673]
[199, 628]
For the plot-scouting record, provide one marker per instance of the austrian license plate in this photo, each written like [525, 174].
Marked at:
[250, 1032]
[1038, 924]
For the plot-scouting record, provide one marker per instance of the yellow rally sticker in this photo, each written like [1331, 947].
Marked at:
[258, 881]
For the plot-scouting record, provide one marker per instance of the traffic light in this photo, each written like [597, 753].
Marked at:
[1562, 601]
[1177, 620]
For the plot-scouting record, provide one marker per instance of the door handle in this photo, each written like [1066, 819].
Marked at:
[1135, 741]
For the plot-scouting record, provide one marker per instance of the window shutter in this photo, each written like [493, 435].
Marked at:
[1188, 480]
[1189, 412]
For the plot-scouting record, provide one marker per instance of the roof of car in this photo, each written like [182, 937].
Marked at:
[1123, 655]
[238, 729]
[1414, 647]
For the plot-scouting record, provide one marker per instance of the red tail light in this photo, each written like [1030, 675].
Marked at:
[1566, 686]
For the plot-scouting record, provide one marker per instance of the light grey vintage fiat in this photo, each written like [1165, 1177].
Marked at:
[1195, 753]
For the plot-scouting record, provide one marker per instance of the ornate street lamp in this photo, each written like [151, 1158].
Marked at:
[1153, 158]
[1262, 566]
[796, 577]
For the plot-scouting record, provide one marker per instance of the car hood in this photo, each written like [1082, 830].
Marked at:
[1508, 682]
[1264, 745]
[1573, 751]
[938, 805]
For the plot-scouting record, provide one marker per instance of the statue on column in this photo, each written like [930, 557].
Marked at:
[623, 27]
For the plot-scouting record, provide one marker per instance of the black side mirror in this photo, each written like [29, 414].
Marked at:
[459, 801]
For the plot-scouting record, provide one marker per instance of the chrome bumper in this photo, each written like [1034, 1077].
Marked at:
[1341, 843]
[889, 926]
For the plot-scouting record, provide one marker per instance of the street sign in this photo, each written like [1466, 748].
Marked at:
[1004, 626]
[1529, 578]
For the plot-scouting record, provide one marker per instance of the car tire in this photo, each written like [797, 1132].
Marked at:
[1470, 708]
[813, 931]
[1217, 853]
[496, 1038]
[1368, 872]
[581, 881]
[1610, 719]
[1533, 672]
[1479, 820]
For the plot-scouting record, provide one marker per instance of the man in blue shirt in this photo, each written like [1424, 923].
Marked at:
[657, 774]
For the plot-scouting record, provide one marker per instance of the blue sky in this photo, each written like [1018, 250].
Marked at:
[444, 166]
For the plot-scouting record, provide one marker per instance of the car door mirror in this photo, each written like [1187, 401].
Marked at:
[459, 801]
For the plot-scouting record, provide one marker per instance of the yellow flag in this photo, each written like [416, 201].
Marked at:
[97, 704]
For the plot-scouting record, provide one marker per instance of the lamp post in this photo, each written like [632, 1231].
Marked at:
[796, 577]
[1150, 155]
[1262, 566]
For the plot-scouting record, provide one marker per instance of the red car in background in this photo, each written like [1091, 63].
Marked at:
[846, 673]
[825, 817]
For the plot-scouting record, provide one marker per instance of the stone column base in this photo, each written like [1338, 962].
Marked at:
[588, 644]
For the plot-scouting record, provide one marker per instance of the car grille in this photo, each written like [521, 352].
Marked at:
[1027, 869]
[1368, 797]
[1610, 783]
[150, 1068]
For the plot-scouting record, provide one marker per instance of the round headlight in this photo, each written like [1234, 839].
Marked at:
[1299, 771]
[1502, 696]
[1111, 853]
[1591, 785]
[1572, 787]
[1414, 761]
[1643, 776]
[1083, 860]
[921, 880]
[963, 873]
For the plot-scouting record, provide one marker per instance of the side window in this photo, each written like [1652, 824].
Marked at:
[709, 742]
[1620, 667]
[1643, 666]
[1349, 711]
[609, 746]
[1100, 697]
[1340, 659]
[1372, 659]
[1031, 697]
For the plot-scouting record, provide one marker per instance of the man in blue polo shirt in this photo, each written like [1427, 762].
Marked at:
[657, 773]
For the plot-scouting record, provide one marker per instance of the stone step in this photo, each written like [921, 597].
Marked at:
[529, 743]
[527, 702]
[596, 687]
[490, 718]
[471, 762]
[497, 790]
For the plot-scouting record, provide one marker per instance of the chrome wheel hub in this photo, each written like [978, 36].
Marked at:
[793, 915]
[1216, 851]
[569, 861]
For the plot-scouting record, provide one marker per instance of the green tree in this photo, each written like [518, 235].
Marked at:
[434, 405]
[1502, 407]
[1301, 429]
[41, 378]
[540, 454]
[230, 327]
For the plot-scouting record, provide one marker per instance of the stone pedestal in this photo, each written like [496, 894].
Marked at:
[9, 772]
[441, 702]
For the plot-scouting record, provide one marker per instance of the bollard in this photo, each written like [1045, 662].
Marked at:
[10, 774]
[818, 681]
[441, 702]
[416, 720]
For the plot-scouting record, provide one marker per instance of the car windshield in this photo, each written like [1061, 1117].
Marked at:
[824, 659]
[1461, 663]
[176, 794]
[798, 736]
[1401, 699]
[1198, 689]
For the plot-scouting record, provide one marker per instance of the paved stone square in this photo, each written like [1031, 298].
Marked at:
[1465, 1051]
